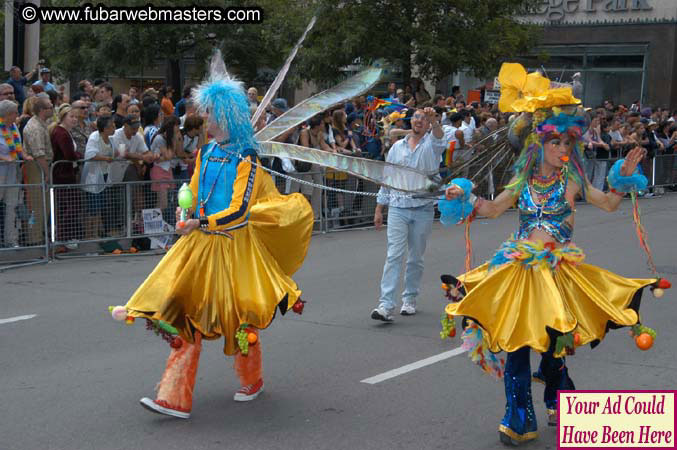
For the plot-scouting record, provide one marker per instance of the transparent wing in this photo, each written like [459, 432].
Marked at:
[386, 174]
[352, 87]
[281, 75]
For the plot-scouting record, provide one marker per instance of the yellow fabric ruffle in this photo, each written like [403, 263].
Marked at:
[515, 304]
[522, 92]
[213, 284]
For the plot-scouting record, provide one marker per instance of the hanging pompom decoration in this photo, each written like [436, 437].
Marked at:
[118, 313]
[658, 288]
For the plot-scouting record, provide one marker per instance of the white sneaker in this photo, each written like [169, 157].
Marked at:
[381, 314]
[150, 405]
[408, 310]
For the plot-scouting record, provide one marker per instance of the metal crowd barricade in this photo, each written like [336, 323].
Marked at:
[663, 174]
[113, 214]
[659, 170]
[344, 211]
[23, 215]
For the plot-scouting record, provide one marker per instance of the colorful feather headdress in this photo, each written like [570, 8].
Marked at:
[223, 98]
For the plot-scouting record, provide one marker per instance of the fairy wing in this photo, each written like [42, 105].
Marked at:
[386, 174]
[354, 86]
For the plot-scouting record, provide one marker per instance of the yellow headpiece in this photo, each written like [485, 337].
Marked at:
[522, 92]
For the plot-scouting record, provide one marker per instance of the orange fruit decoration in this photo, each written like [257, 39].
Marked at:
[180, 224]
[644, 341]
[577, 339]
[252, 338]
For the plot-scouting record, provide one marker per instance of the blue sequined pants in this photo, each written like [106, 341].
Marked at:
[519, 421]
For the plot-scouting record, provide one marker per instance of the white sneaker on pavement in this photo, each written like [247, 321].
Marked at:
[407, 310]
[381, 314]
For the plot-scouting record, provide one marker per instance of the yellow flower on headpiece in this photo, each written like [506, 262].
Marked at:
[522, 92]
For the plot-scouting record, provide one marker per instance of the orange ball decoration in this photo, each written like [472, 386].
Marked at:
[577, 339]
[252, 338]
[644, 341]
[180, 224]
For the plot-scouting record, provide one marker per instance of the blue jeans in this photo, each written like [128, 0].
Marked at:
[407, 228]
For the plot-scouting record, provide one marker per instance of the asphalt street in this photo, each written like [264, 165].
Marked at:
[71, 377]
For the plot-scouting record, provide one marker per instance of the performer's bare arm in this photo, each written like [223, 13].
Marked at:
[487, 208]
[610, 201]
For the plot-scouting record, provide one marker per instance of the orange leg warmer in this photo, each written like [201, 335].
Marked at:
[249, 368]
[175, 389]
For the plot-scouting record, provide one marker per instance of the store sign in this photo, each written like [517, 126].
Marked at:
[556, 10]
[491, 96]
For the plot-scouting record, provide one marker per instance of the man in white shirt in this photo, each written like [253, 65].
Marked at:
[409, 220]
[468, 127]
[128, 144]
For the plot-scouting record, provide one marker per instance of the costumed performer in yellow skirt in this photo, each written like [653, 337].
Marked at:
[536, 293]
[231, 268]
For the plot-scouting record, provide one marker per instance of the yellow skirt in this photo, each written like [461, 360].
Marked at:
[515, 304]
[212, 284]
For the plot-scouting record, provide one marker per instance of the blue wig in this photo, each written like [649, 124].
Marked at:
[224, 99]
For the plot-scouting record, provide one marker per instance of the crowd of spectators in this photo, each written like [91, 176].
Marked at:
[98, 138]
[92, 141]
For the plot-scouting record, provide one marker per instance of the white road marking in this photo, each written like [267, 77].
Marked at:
[17, 318]
[413, 366]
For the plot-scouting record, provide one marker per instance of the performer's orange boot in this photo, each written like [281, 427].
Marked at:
[175, 389]
[250, 371]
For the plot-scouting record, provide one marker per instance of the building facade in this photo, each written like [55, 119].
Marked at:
[624, 50]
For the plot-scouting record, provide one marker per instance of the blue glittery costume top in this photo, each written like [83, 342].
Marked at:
[218, 170]
[549, 217]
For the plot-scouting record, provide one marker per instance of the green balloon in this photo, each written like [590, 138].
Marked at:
[185, 197]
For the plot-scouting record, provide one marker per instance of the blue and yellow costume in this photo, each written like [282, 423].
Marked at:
[210, 283]
[530, 294]
[230, 276]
